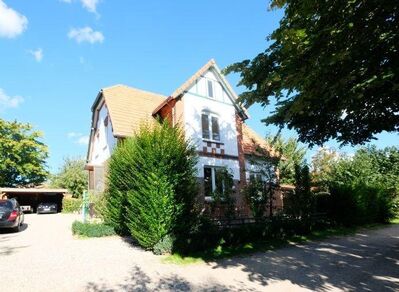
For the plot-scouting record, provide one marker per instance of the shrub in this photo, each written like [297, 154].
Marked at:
[256, 197]
[92, 229]
[360, 204]
[165, 245]
[201, 235]
[152, 185]
[71, 205]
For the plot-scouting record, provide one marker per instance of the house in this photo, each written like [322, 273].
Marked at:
[205, 106]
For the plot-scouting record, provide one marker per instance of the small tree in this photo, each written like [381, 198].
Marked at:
[223, 194]
[152, 186]
[293, 154]
[255, 195]
[72, 176]
[22, 155]
[298, 204]
[260, 190]
[323, 164]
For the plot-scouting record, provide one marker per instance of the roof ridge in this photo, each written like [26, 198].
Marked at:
[192, 78]
[133, 88]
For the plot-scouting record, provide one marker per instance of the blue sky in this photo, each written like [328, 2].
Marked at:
[57, 54]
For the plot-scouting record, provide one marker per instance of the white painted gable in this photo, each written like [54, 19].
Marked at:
[201, 87]
[198, 100]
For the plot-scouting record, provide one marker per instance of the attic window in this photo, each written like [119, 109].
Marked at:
[210, 88]
[106, 121]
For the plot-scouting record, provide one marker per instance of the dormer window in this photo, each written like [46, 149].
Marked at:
[210, 127]
[210, 88]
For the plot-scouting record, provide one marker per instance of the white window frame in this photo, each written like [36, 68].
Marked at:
[210, 116]
[213, 180]
[211, 82]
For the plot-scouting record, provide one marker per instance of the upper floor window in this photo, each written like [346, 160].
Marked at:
[210, 127]
[210, 88]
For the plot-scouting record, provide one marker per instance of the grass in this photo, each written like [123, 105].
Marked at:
[395, 221]
[221, 251]
[87, 230]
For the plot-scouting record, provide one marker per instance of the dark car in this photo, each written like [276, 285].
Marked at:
[11, 215]
[46, 208]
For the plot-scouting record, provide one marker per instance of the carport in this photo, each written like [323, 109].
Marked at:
[33, 196]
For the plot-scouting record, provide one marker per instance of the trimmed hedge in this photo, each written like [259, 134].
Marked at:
[205, 235]
[92, 229]
[70, 205]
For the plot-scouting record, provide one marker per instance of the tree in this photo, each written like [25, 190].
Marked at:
[261, 189]
[298, 204]
[333, 68]
[323, 164]
[365, 187]
[152, 186]
[72, 176]
[293, 154]
[22, 155]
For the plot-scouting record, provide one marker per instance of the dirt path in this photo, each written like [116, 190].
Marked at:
[45, 257]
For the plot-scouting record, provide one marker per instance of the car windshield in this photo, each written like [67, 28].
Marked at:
[5, 205]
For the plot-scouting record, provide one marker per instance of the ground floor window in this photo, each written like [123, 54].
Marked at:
[255, 176]
[215, 181]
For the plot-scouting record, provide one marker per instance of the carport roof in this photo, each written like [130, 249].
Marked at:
[32, 190]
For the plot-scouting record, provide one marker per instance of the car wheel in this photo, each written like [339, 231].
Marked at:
[17, 228]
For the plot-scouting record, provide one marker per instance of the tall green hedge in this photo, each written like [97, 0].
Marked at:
[152, 185]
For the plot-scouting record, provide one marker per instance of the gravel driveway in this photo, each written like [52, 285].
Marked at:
[45, 257]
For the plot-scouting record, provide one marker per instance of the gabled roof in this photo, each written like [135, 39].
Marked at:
[253, 144]
[186, 85]
[128, 107]
[189, 82]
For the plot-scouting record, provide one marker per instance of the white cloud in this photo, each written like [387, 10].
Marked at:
[78, 138]
[84, 140]
[8, 101]
[86, 34]
[12, 23]
[73, 135]
[37, 54]
[90, 5]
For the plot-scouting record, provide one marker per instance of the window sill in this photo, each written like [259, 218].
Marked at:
[212, 199]
[212, 141]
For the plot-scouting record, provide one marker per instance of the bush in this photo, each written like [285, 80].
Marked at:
[360, 204]
[165, 245]
[71, 205]
[92, 229]
[206, 236]
[202, 235]
[152, 185]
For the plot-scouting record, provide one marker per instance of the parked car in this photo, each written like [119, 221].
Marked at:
[11, 215]
[47, 208]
